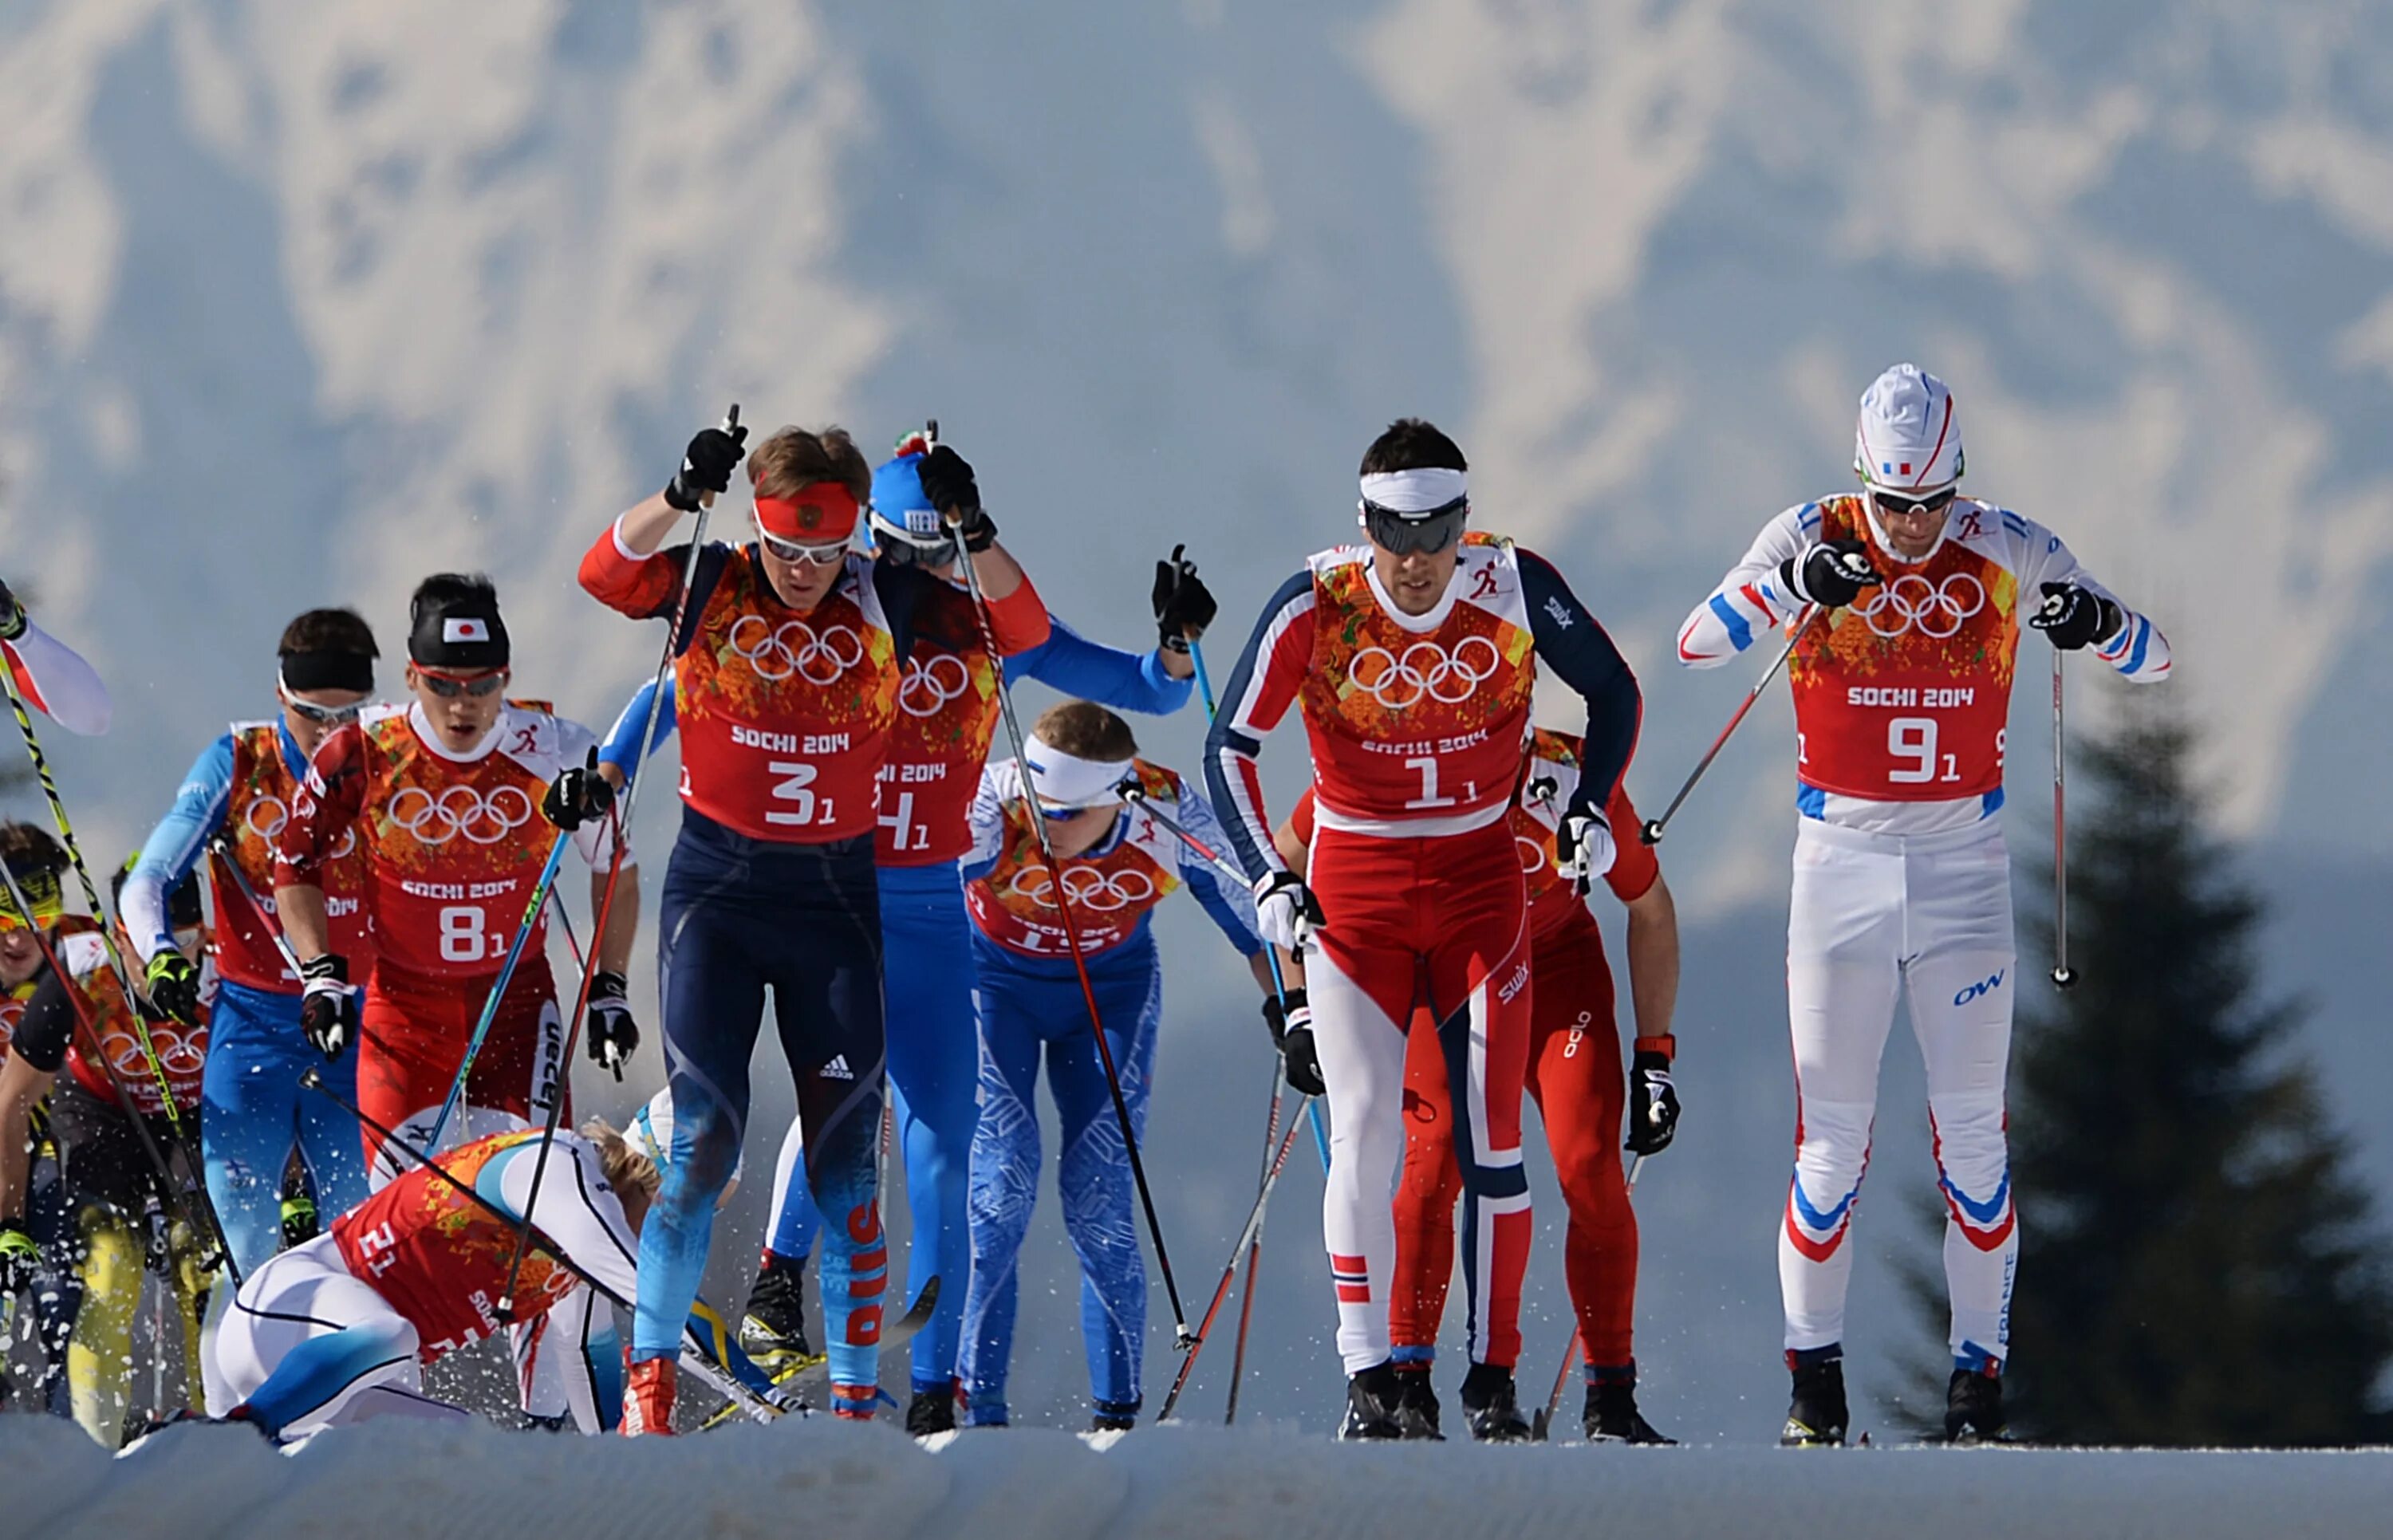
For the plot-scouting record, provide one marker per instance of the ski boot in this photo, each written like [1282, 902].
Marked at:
[1113, 1417]
[932, 1411]
[1815, 1419]
[1973, 1404]
[649, 1392]
[1372, 1400]
[1417, 1403]
[1490, 1406]
[774, 1330]
[1611, 1416]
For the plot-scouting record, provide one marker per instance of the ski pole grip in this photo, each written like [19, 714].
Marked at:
[1652, 833]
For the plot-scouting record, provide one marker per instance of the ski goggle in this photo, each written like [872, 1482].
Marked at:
[810, 556]
[448, 686]
[322, 716]
[42, 891]
[1892, 504]
[902, 545]
[1425, 533]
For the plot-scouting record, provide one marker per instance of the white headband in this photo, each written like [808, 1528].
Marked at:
[1418, 491]
[1060, 779]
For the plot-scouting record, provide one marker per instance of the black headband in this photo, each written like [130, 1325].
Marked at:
[328, 671]
[467, 635]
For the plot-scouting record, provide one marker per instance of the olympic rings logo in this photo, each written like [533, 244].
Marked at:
[266, 818]
[181, 1052]
[1397, 680]
[1532, 854]
[795, 649]
[460, 810]
[1097, 892]
[1911, 602]
[926, 688]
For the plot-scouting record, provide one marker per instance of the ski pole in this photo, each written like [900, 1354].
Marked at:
[194, 1200]
[621, 813]
[1204, 680]
[2063, 975]
[91, 898]
[223, 853]
[1063, 910]
[1545, 1420]
[524, 928]
[1652, 833]
[1220, 1291]
[1254, 1250]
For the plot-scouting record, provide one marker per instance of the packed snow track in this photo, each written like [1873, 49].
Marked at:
[395, 1480]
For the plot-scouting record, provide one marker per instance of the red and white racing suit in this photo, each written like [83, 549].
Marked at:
[1418, 725]
[1901, 880]
[454, 845]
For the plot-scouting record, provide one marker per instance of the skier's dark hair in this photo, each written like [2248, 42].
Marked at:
[448, 590]
[26, 849]
[343, 630]
[1085, 730]
[1412, 444]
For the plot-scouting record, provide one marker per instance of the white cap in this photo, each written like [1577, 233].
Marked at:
[1907, 439]
[651, 1135]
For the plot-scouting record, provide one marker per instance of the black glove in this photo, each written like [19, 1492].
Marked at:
[1831, 574]
[2072, 617]
[12, 616]
[613, 1035]
[19, 1257]
[578, 795]
[1653, 1100]
[707, 465]
[1292, 1031]
[328, 1008]
[1184, 606]
[947, 482]
[173, 982]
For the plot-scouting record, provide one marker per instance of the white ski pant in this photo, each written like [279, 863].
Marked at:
[1930, 917]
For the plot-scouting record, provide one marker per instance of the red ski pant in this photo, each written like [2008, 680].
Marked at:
[1575, 1077]
[413, 1036]
[1438, 923]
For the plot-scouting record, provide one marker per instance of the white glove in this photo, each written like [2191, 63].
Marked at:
[1285, 911]
[1583, 847]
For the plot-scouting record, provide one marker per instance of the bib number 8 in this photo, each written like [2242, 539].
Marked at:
[462, 934]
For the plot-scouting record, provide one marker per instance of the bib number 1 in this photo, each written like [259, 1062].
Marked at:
[1427, 766]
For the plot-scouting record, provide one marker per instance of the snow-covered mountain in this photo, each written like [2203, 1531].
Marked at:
[300, 300]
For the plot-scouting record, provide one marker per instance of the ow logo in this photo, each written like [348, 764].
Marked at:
[1980, 989]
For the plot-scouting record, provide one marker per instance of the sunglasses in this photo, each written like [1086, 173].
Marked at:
[1406, 534]
[901, 547]
[812, 555]
[448, 686]
[1054, 814]
[1890, 503]
[323, 716]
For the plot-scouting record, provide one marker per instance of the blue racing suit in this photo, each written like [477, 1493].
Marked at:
[1031, 1004]
[251, 1106]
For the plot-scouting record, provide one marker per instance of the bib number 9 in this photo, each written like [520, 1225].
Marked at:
[1911, 742]
[463, 936]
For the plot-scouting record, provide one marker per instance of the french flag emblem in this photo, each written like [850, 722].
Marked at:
[455, 629]
[1887, 468]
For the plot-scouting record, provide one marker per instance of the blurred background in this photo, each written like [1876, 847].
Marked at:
[300, 301]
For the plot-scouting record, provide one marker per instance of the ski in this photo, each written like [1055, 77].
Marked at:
[777, 1388]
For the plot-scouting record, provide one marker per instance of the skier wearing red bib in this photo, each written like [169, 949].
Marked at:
[1412, 659]
[1908, 598]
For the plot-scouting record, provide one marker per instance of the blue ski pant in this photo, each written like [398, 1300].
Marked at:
[741, 917]
[934, 1069]
[252, 1111]
[1030, 1010]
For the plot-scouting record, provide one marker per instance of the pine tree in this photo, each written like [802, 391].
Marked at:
[2198, 1263]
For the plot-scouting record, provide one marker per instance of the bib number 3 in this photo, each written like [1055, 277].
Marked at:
[793, 798]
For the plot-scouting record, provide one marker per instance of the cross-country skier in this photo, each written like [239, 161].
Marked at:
[334, 1331]
[947, 711]
[37, 1250]
[454, 801]
[52, 676]
[110, 1177]
[1412, 658]
[1118, 862]
[788, 677]
[1574, 1075]
[239, 790]
[1908, 598]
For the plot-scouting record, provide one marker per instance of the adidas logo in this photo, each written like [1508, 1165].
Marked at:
[837, 1069]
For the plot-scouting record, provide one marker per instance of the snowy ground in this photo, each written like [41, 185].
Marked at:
[400, 1480]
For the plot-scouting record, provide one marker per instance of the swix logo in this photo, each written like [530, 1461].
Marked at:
[1980, 989]
[1513, 983]
[1482, 583]
[837, 1069]
[1559, 610]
